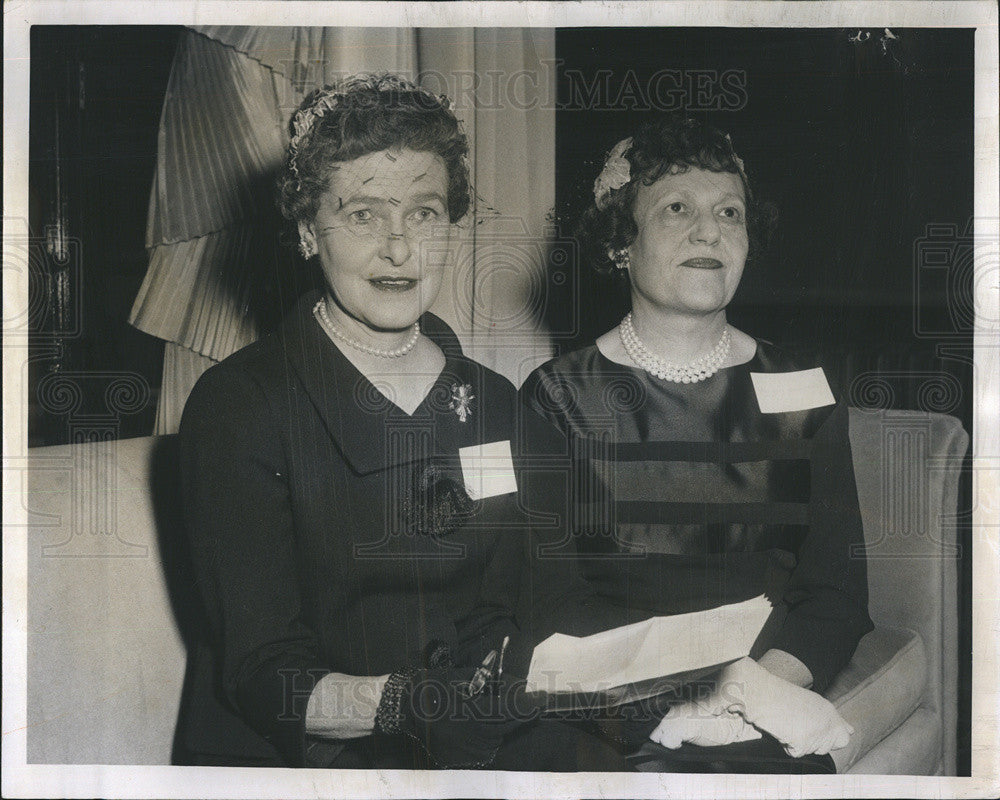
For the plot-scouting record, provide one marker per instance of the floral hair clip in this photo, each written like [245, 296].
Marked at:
[616, 173]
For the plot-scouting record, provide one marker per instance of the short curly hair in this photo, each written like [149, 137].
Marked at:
[365, 114]
[657, 146]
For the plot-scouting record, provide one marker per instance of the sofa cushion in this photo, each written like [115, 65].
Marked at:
[914, 748]
[879, 689]
[107, 586]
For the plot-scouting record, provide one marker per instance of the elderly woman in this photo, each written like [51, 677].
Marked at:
[711, 467]
[360, 601]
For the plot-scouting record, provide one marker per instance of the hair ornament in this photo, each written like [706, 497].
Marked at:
[304, 120]
[616, 173]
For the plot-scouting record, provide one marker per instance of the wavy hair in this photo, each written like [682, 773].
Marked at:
[365, 114]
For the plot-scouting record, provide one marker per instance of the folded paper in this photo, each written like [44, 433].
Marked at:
[638, 660]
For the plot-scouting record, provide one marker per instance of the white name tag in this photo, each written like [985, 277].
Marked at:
[791, 391]
[488, 469]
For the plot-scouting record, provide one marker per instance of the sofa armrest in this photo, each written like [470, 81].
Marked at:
[879, 689]
[907, 465]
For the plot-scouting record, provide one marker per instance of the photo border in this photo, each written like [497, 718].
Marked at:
[33, 780]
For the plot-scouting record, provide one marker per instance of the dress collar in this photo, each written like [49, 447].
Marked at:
[354, 412]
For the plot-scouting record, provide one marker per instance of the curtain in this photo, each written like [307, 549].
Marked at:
[219, 274]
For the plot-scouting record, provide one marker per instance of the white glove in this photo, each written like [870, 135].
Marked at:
[803, 721]
[693, 722]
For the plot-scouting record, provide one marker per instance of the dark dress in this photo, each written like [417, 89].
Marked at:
[319, 547]
[686, 497]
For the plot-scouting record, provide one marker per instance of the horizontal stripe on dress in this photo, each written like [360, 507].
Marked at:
[694, 481]
[651, 512]
[732, 452]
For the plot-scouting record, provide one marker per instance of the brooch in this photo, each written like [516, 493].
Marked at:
[461, 400]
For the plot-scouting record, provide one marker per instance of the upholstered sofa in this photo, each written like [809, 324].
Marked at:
[112, 606]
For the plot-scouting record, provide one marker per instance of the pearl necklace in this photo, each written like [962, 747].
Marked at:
[693, 372]
[319, 311]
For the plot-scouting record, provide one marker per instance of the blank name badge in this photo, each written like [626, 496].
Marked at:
[488, 469]
[778, 392]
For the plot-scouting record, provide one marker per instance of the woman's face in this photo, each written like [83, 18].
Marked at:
[381, 232]
[692, 243]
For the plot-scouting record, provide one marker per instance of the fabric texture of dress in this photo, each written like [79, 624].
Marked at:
[319, 546]
[686, 496]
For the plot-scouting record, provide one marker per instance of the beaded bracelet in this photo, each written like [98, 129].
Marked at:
[388, 715]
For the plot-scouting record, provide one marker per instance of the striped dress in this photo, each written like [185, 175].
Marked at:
[686, 496]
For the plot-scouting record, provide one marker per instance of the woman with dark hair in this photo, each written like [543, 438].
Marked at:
[711, 467]
[360, 600]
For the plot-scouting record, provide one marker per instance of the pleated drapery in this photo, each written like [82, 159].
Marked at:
[217, 270]
[231, 93]
[219, 132]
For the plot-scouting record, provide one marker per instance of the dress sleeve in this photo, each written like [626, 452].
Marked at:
[544, 394]
[827, 593]
[493, 614]
[238, 516]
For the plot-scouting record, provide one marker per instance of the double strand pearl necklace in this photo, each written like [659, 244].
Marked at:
[320, 312]
[693, 372]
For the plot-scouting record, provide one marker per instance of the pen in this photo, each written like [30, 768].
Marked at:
[503, 649]
[481, 675]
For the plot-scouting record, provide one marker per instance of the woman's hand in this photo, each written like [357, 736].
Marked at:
[803, 721]
[695, 723]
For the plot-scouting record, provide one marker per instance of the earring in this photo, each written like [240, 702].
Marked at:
[306, 249]
[622, 262]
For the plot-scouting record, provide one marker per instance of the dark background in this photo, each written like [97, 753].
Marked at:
[863, 149]
[856, 149]
[96, 97]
